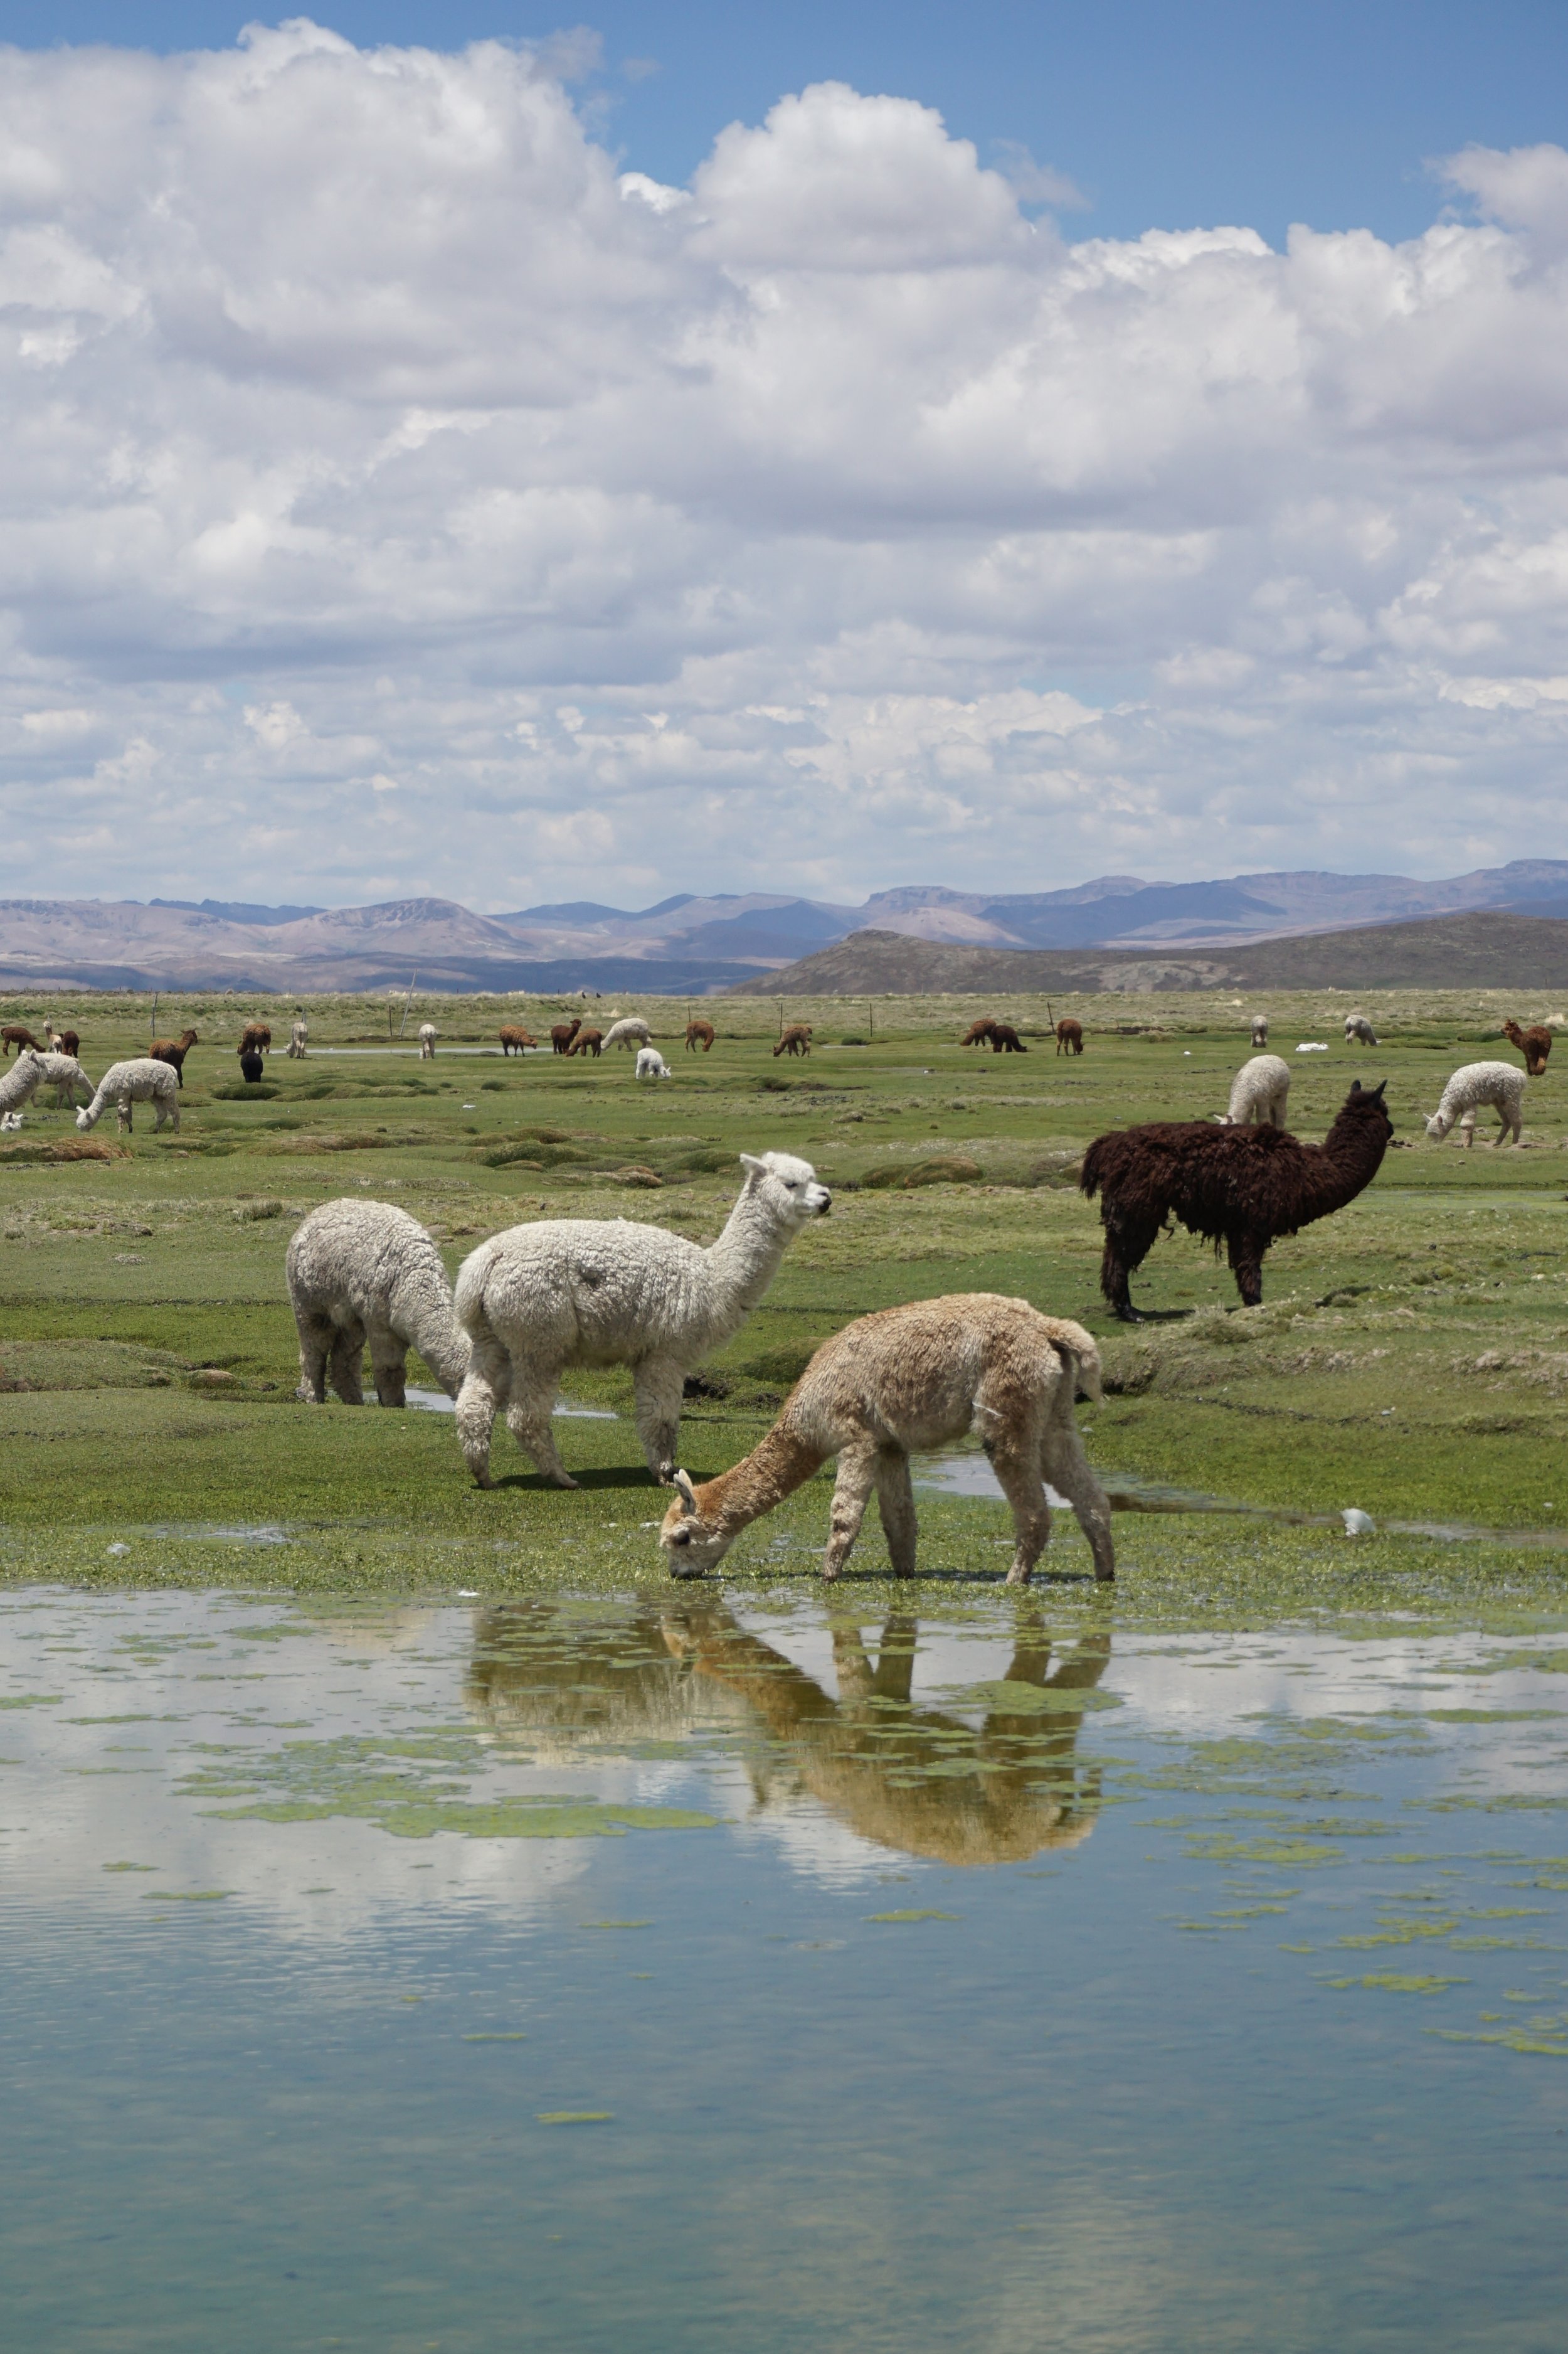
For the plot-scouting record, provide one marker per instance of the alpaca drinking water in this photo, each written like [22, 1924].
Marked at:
[901, 1382]
[584, 1291]
[1241, 1186]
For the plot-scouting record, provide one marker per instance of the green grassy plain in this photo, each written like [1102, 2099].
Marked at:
[1411, 1357]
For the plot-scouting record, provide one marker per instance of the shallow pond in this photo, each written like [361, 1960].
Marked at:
[696, 1971]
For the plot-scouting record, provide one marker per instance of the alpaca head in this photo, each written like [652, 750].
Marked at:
[788, 1187]
[1367, 1104]
[689, 1543]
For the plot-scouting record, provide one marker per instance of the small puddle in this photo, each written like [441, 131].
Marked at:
[438, 1402]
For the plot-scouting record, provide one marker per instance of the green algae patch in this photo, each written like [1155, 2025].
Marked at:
[927, 1913]
[513, 2035]
[1304, 1855]
[1398, 1982]
[32, 1699]
[575, 2117]
[1007, 1697]
[186, 1895]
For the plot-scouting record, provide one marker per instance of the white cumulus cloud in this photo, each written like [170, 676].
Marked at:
[828, 521]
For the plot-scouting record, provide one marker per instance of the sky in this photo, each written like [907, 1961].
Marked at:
[707, 449]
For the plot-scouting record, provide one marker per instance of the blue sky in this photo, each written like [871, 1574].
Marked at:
[1164, 114]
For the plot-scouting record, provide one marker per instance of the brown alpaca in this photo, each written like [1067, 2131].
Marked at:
[1005, 1040]
[699, 1033]
[63, 1042]
[1241, 1186]
[16, 1033]
[513, 1037]
[795, 1040]
[255, 1039]
[563, 1034]
[588, 1042]
[1069, 1036]
[1534, 1044]
[980, 1033]
[173, 1050]
[900, 1383]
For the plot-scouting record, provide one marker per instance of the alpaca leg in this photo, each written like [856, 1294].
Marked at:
[388, 1366]
[122, 1116]
[1245, 1255]
[1070, 1472]
[347, 1361]
[1467, 1128]
[485, 1388]
[1127, 1247]
[851, 1494]
[1016, 1462]
[528, 1420]
[656, 1387]
[316, 1348]
[896, 1503]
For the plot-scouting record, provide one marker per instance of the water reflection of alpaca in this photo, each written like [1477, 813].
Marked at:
[898, 1773]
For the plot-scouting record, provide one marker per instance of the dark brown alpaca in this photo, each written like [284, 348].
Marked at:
[1069, 1035]
[797, 1040]
[699, 1033]
[255, 1039]
[64, 1042]
[1241, 1186]
[563, 1034]
[173, 1050]
[1534, 1044]
[1005, 1040]
[513, 1037]
[588, 1042]
[980, 1033]
[17, 1034]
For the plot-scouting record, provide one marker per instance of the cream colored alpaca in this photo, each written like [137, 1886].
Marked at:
[428, 1036]
[141, 1080]
[299, 1037]
[898, 1384]
[1259, 1093]
[630, 1031]
[1501, 1085]
[1260, 1030]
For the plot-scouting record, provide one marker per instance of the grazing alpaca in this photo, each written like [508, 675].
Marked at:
[514, 1040]
[1534, 1044]
[141, 1080]
[980, 1033]
[581, 1292]
[1473, 1084]
[563, 1034]
[588, 1042]
[1005, 1040]
[66, 1076]
[173, 1050]
[299, 1037]
[903, 1381]
[1259, 1030]
[17, 1034]
[364, 1271]
[19, 1083]
[651, 1064]
[1259, 1093]
[255, 1039]
[1358, 1031]
[1069, 1035]
[62, 1041]
[1241, 1186]
[630, 1031]
[795, 1040]
[251, 1066]
[699, 1033]
[428, 1036]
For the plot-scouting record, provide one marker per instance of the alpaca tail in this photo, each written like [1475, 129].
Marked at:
[1095, 1169]
[1079, 1353]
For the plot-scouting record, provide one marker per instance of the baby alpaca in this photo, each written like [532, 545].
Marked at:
[364, 1271]
[1258, 1094]
[1473, 1084]
[582, 1292]
[651, 1064]
[900, 1383]
[138, 1081]
[630, 1031]
[1357, 1027]
[427, 1035]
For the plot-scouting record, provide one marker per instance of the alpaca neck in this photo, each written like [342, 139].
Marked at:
[1345, 1163]
[775, 1467]
[441, 1341]
[745, 1260]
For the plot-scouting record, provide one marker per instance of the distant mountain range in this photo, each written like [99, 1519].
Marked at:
[688, 945]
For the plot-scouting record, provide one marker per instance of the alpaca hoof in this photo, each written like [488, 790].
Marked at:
[563, 1479]
[1130, 1314]
[483, 1479]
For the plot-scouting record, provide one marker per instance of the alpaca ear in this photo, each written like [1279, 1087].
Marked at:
[1377, 1091]
[750, 1163]
[688, 1494]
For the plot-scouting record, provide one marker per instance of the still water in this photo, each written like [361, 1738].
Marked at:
[697, 1971]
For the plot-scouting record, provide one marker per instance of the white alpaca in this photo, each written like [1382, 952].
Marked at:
[581, 1292]
[1260, 1030]
[18, 1080]
[1501, 1085]
[632, 1030]
[900, 1383]
[651, 1064]
[66, 1076]
[363, 1271]
[297, 1037]
[1258, 1094]
[138, 1081]
[428, 1036]
[1358, 1028]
